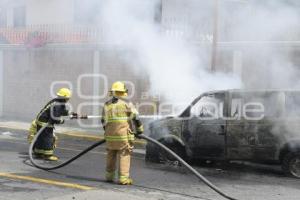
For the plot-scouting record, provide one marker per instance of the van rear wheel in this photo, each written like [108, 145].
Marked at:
[291, 164]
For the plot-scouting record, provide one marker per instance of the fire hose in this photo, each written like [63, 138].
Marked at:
[195, 172]
[189, 167]
[64, 163]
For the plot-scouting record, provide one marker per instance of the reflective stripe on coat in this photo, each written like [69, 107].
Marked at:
[116, 118]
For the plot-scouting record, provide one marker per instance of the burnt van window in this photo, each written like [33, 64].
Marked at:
[210, 106]
[292, 104]
[255, 105]
[236, 108]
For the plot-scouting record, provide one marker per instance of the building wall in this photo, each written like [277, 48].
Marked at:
[183, 19]
[8, 11]
[28, 75]
[49, 12]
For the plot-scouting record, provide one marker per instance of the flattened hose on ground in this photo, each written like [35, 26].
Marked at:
[202, 178]
[62, 164]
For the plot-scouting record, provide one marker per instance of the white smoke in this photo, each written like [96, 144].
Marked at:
[179, 69]
[176, 68]
[266, 32]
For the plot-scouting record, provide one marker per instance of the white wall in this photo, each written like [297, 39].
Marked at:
[49, 12]
[173, 8]
[1, 83]
[191, 9]
[188, 18]
[8, 6]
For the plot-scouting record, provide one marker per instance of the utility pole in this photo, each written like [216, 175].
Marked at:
[215, 35]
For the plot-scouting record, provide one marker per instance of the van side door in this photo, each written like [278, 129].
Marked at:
[251, 135]
[204, 131]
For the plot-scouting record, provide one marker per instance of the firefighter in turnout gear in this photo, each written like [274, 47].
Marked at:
[51, 113]
[118, 118]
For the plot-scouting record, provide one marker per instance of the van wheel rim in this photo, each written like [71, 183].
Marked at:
[295, 167]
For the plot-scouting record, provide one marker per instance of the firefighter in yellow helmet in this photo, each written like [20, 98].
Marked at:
[118, 117]
[51, 113]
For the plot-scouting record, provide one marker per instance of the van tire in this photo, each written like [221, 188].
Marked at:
[291, 164]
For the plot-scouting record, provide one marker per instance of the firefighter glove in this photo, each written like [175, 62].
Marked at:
[74, 115]
[139, 133]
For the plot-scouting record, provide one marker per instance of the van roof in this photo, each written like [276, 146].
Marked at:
[251, 90]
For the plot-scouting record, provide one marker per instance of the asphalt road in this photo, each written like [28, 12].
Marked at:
[19, 180]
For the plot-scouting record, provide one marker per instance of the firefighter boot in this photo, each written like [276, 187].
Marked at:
[125, 181]
[124, 167]
[110, 176]
[51, 158]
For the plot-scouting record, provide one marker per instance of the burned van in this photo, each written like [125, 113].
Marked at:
[256, 126]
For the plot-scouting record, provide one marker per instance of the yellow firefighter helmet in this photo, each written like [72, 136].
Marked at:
[119, 89]
[64, 93]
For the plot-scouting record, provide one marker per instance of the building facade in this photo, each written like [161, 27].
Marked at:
[44, 41]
